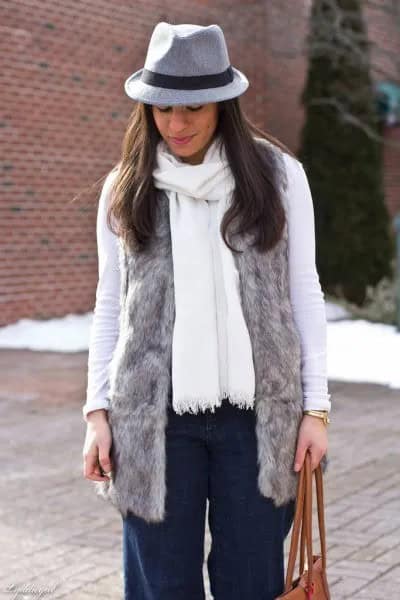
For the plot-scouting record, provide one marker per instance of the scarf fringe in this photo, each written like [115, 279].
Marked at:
[196, 405]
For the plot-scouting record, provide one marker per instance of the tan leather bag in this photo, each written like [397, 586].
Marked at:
[312, 583]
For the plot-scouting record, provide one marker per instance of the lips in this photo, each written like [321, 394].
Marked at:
[183, 140]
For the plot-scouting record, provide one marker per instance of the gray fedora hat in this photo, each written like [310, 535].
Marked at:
[186, 64]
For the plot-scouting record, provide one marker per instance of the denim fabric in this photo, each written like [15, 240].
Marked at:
[214, 456]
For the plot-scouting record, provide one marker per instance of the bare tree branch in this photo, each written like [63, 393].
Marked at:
[337, 39]
[348, 117]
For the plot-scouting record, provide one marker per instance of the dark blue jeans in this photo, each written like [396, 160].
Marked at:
[214, 456]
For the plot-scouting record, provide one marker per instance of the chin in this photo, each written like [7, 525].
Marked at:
[184, 150]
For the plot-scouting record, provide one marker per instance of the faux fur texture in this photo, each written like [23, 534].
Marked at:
[140, 371]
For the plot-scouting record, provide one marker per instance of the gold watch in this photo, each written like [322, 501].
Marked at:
[322, 414]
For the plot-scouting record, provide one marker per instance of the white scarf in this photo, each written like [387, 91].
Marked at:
[195, 345]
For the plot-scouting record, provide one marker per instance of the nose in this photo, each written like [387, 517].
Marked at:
[178, 120]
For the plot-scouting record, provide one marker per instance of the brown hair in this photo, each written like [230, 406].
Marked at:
[256, 202]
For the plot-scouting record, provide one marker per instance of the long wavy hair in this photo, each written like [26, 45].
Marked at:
[256, 204]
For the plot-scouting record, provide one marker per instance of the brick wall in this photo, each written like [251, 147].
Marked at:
[287, 25]
[63, 69]
[392, 170]
[383, 19]
[286, 28]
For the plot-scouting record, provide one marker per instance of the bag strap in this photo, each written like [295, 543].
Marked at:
[303, 518]
[321, 520]
[296, 528]
[321, 514]
[307, 523]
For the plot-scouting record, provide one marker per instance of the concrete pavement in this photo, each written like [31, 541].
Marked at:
[61, 540]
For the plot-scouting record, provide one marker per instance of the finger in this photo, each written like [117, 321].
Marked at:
[102, 476]
[91, 468]
[89, 463]
[321, 456]
[299, 458]
[316, 456]
[97, 476]
[105, 463]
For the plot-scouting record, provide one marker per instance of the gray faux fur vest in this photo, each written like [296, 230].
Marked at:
[140, 370]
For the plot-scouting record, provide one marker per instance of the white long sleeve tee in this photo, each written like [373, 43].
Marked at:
[306, 296]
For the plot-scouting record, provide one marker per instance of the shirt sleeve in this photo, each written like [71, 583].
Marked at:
[307, 298]
[105, 325]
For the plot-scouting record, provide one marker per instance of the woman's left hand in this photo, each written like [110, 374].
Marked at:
[312, 435]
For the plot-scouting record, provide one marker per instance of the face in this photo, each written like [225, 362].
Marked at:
[193, 124]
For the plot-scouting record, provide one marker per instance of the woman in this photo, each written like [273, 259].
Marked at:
[208, 341]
